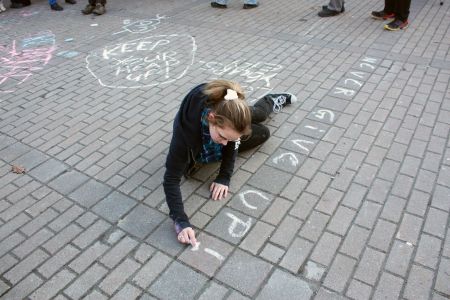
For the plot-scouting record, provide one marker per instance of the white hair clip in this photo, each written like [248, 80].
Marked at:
[231, 95]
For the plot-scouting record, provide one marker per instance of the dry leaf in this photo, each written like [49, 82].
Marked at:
[18, 169]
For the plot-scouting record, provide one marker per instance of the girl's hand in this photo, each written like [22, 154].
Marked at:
[187, 236]
[218, 191]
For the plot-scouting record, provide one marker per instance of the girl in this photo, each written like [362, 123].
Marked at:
[208, 128]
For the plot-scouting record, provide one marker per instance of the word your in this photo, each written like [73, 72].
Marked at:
[144, 62]
[141, 26]
[254, 77]
[19, 61]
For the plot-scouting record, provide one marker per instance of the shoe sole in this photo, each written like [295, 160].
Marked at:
[382, 18]
[394, 29]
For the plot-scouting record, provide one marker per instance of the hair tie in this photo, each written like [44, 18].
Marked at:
[231, 95]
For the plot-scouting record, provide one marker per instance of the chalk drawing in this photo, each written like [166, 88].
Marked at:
[344, 91]
[322, 113]
[29, 13]
[214, 253]
[242, 198]
[67, 54]
[300, 144]
[245, 226]
[358, 74]
[314, 128]
[19, 61]
[291, 156]
[370, 60]
[358, 83]
[141, 26]
[144, 62]
[254, 77]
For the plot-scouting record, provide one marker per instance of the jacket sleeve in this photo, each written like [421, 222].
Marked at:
[229, 153]
[176, 164]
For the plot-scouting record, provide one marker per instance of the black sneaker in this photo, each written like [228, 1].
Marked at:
[249, 6]
[88, 9]
[342, 9]
[217, 5]
[382, 15]
[326, 12]
[281, 100]
[396, 25]
[71, 1]
[56, 6]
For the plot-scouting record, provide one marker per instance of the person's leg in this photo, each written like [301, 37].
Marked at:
[336, 5]
[387, 12]
[51, 2]
[2, 7]
[219, 3]
[402, 10]
[259, 135]
[250, 4]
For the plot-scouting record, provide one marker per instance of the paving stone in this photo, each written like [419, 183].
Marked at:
[341, 220]
[148, 273]
[57, 261]
[418, 285]
[359, 290]
[339, 273]
[141, 221]
[84, 282]
[303, 206]
[296, 255]
[244, 272]
[388, 287]
[210, 255]
[91, 234]
[50, 288]
[409, 229]
[262, 179]
[326, 248]
[257, 237]
[313, 271]
[68, 181]
[144, 252]
[178, 282]
[114, 206]
[90, 193]
[282, 285]
[382, 235]
[294, 188]
[399, 258]
[213, 291]
[440, 198]
[329, 201]
[314, 226]
[272, 253]
[436, 222]
[21, 270]
[118, 276]
[369, 266]
[367, 214]
[355, 195]
[286, 231]
[230, 225]
[393, 209]
[428, 251]
[165, 239]
[443, 277]
[275, 213]
[23, 288]
[251, 202]
[48, 170]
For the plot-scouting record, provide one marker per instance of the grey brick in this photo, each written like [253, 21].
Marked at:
[418, 285]
[118, 276]
[393, 209]
[388, 170]
[84, 282]
[262, 179]
[329, 201]
[440, 198]
[116, 254]
[244, 272]
[87, 257]
[443, 277]
[359, 290]
[319, 183]
[51, 287]
[52, 265]
[399, 258]
[43, 204]
[402, 186]
[303, 206]
[409, 229]
[341, 220]
[62, 238]
[32, 243]
[368, 214]
[257, 237]
[23, 288]
[314, 226]
[428, 251]
[10, 242]
[91, 234]
[48, 170]
[275, 213]
[144, 252]
[339, 273]
[87, 219]
[38, 222]
[127, 292]
[410, 166]
[68, 181]
[6, 262]
[369, 266]
[25, 266]
[90, 193]
[382, 235]
[326, 248]
[151, 270]
[436, 222]
[141, 221]
[296, 255]
[418, 203]
[379, 191]
[272, 253]
[213, 291]
[65, 218]
[282, 285]
[17, 208]
[388, 287]
[286, 231]
[355, 195]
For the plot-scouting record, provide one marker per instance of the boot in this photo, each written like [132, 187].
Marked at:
[99, 9]
[56, 7]
[71, 1]
[88, 9]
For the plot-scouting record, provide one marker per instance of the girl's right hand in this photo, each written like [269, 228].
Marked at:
[187, 236]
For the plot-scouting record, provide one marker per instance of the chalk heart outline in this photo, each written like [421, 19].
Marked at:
[179, 48]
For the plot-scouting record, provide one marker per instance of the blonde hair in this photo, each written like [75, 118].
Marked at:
[235, 113]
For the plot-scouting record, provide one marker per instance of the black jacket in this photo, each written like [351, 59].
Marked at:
[185, 145]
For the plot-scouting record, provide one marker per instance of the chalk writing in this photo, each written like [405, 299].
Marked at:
[300, 144]
[314, 128]
[242, 198]
[292, 158]
[68, 54]
[141, 26]
[144, 62]
[254, 77]
[214, 253]
[20, 62]
[234, 230]
[322, 113]
[358, 83]
[344, 91]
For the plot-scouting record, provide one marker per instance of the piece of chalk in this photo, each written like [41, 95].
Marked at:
[68, 40]
[196, 247]
[95, 24]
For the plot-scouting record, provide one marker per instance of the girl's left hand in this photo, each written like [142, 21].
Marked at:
[218, 191]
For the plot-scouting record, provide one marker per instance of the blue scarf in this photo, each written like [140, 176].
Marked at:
[211, 151]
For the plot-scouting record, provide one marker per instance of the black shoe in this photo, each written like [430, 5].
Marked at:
[281, 100]
[396, 25]
[16, 5]
[56, 7]
[71, 1]
[217, 5]
[382, 15]
[249, 6]
[326, 6]
[326, 12]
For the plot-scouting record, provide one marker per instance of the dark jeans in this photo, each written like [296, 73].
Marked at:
[399, 7]
[93, 2]
[260, 133]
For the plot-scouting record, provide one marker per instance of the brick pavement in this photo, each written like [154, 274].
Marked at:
[349, 199]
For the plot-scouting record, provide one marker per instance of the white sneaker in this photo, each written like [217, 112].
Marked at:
[2, 7]
[281, 100]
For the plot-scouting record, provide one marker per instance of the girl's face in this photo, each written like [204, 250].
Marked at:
[223, 135]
